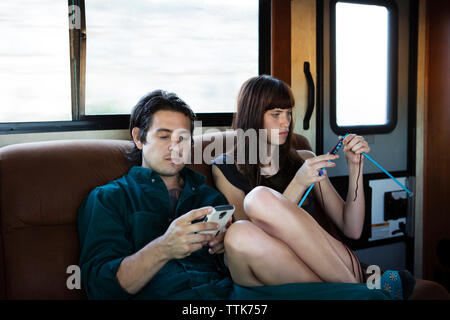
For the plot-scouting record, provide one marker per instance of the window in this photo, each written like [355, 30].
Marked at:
[363, 67]
[202, 50]
[90, 75]
[34, 61]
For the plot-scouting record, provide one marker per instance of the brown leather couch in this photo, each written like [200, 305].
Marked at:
[42, 185]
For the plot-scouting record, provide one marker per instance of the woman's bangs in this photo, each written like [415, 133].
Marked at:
[279, 103]
[280, 98]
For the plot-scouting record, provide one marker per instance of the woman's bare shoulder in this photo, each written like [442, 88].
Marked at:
[305, 154]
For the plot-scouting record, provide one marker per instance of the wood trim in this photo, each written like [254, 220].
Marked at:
[420, 130]
[436, 220]
[303, 48]
[281, 40]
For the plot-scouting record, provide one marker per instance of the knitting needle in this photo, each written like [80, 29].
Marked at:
[333, 151]
[390, 176]
[374, 162]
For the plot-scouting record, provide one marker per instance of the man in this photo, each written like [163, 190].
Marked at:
[139, 234]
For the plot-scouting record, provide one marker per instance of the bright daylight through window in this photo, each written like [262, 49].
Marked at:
[34, 61]
[361, 64]
[203, 50]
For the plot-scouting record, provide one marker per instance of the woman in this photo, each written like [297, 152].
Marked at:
[274, 241]
[281, 242]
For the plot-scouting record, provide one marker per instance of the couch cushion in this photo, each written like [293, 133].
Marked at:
[43, 180]
[42, 186]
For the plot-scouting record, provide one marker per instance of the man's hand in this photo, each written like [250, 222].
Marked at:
[181, 238]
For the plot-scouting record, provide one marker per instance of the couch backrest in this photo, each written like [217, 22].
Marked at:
[42, 185]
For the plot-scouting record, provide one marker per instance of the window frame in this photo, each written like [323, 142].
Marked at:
[82, 122]
[392, 8]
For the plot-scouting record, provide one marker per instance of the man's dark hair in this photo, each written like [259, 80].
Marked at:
[142, 115]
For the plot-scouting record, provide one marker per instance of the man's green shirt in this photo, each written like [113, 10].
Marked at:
[120, 218]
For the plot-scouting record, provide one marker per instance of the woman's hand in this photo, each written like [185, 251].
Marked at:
[353, 147]
[309, 172]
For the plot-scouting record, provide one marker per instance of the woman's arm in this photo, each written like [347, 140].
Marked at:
[296, 189]
[234, 195]
[355, 203]
[354, 211]
[349, 215]
[334, 205]
[308, 174]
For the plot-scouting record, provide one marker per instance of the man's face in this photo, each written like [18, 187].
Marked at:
[168, 143]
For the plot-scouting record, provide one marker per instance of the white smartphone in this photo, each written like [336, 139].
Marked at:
[220, 215]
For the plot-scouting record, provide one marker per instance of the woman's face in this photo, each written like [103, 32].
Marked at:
[277, 122]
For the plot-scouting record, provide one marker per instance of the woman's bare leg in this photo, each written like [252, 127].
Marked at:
[327, 257]
[255, 258]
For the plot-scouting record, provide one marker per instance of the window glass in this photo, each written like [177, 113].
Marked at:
[362, 83]
[34, 61]
[203, 50]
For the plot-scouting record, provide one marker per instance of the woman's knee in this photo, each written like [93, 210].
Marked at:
[270, 210]
[243, 237]
[259, 201]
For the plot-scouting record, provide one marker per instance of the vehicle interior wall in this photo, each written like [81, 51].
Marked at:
[436, 220]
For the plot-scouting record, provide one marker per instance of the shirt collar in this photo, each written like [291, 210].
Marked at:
[194, 178]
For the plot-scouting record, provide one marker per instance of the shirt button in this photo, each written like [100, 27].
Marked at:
[153, 180]
[193, 188]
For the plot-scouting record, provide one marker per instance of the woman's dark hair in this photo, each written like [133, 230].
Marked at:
[258, 95]
[142, 114]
